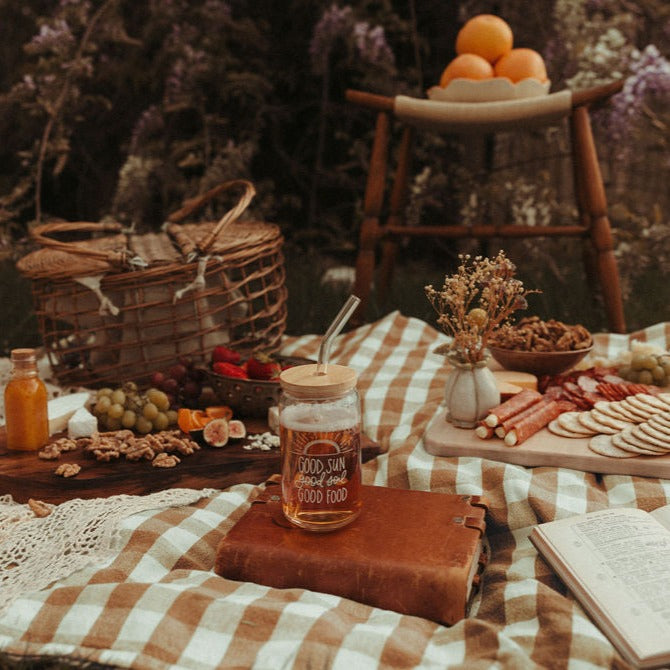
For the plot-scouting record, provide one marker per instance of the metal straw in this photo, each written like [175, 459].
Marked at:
[333, 330]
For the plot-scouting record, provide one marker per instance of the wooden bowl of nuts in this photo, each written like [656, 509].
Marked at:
[540, 347]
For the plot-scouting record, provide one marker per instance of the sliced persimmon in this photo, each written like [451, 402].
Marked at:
[192, 419]
[184, 419]
[199, 418]
[219, 412]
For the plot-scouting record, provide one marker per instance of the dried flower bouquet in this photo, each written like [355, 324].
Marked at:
[474, 302]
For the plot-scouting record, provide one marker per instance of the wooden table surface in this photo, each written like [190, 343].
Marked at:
[24, 475]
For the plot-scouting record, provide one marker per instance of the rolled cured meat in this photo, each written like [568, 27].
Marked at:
[483, 431]
[532, 422]
[509, 423]
[514, 405]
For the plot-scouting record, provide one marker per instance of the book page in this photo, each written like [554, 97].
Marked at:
[617, 561]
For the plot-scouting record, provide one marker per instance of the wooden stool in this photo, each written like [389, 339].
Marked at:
[479, 118]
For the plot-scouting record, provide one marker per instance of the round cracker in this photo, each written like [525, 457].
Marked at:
[639, 401]
[662, 419]
[641, 413]
[662, 428]
[570, 421]
[641, 443]
[653, 401]
[588, 421]
[602, 444]
[614, 408]
[642, 435]
[622, 443]
[650, 430]
[556, 428]
[607, 420]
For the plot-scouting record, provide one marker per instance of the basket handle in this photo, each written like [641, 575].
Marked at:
[193, 204]
[41, 235]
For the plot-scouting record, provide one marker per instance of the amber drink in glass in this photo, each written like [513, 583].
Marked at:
[320, 431]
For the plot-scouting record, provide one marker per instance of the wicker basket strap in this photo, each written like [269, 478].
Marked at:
[114, 257]
[187, 245]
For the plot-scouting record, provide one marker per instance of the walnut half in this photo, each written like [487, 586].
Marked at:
[40, 509]
[165, 460]
[67, 470]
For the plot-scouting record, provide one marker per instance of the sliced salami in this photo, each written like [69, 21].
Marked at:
[509, 423]
[587, 383]
[542, 415]
[517, 403]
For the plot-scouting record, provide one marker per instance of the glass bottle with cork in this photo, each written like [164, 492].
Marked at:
[320, 436]
[26, 409]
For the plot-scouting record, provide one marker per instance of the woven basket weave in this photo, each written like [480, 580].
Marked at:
[120, 306]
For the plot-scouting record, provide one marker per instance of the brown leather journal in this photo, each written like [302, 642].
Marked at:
[414, 552]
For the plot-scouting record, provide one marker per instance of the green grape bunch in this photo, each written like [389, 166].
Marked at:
[127, 407]
[648, 368]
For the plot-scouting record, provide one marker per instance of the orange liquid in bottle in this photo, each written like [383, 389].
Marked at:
[26, 415]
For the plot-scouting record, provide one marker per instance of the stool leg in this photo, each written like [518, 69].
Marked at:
[372, 207]
[593, 205]
[397, 204]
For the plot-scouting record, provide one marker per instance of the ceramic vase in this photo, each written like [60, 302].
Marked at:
[470, 392]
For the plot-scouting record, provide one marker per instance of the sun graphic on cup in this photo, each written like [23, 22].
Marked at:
[321, 447]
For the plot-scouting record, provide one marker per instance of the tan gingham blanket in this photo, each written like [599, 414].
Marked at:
[157, 603]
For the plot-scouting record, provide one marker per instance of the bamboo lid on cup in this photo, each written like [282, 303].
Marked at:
[306, 381]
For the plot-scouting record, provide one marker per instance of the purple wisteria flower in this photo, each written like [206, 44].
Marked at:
[338, 23]
[334, 24]
[649, 80]
[151, 122]
[371, 44]
[217, 8]
[187, 71]
[55, 38]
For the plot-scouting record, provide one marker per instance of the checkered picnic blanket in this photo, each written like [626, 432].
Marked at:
[156, 603]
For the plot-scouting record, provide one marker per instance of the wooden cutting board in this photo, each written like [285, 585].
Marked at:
[542, 449]
[24, 475]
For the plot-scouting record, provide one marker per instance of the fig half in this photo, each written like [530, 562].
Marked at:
[216, 433]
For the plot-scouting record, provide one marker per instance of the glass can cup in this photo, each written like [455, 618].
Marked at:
[320, 433]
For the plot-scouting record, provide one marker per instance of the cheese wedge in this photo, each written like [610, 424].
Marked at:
[81, 424]
[62, 408]
[507, 390]
[523, 379]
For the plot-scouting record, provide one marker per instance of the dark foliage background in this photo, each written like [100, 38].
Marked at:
[116, 109]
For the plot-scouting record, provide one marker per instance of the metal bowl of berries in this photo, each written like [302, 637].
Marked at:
[248, 386]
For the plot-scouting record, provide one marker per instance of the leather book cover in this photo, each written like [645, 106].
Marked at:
[414, 552]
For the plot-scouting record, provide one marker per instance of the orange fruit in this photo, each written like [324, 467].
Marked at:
[184, 420]
[466, 66]
[521, 64]
[486, 35]
[192, 419]
[219, 412]
[199, 418]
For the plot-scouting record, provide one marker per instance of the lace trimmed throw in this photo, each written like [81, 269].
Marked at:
[36, 551]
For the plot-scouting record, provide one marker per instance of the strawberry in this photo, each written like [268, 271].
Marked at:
[229, 370]
[223, 354]
[262, 366]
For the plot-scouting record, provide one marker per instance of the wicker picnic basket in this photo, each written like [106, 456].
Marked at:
[118, 306]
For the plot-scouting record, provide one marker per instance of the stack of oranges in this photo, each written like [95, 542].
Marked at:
[485, 48]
